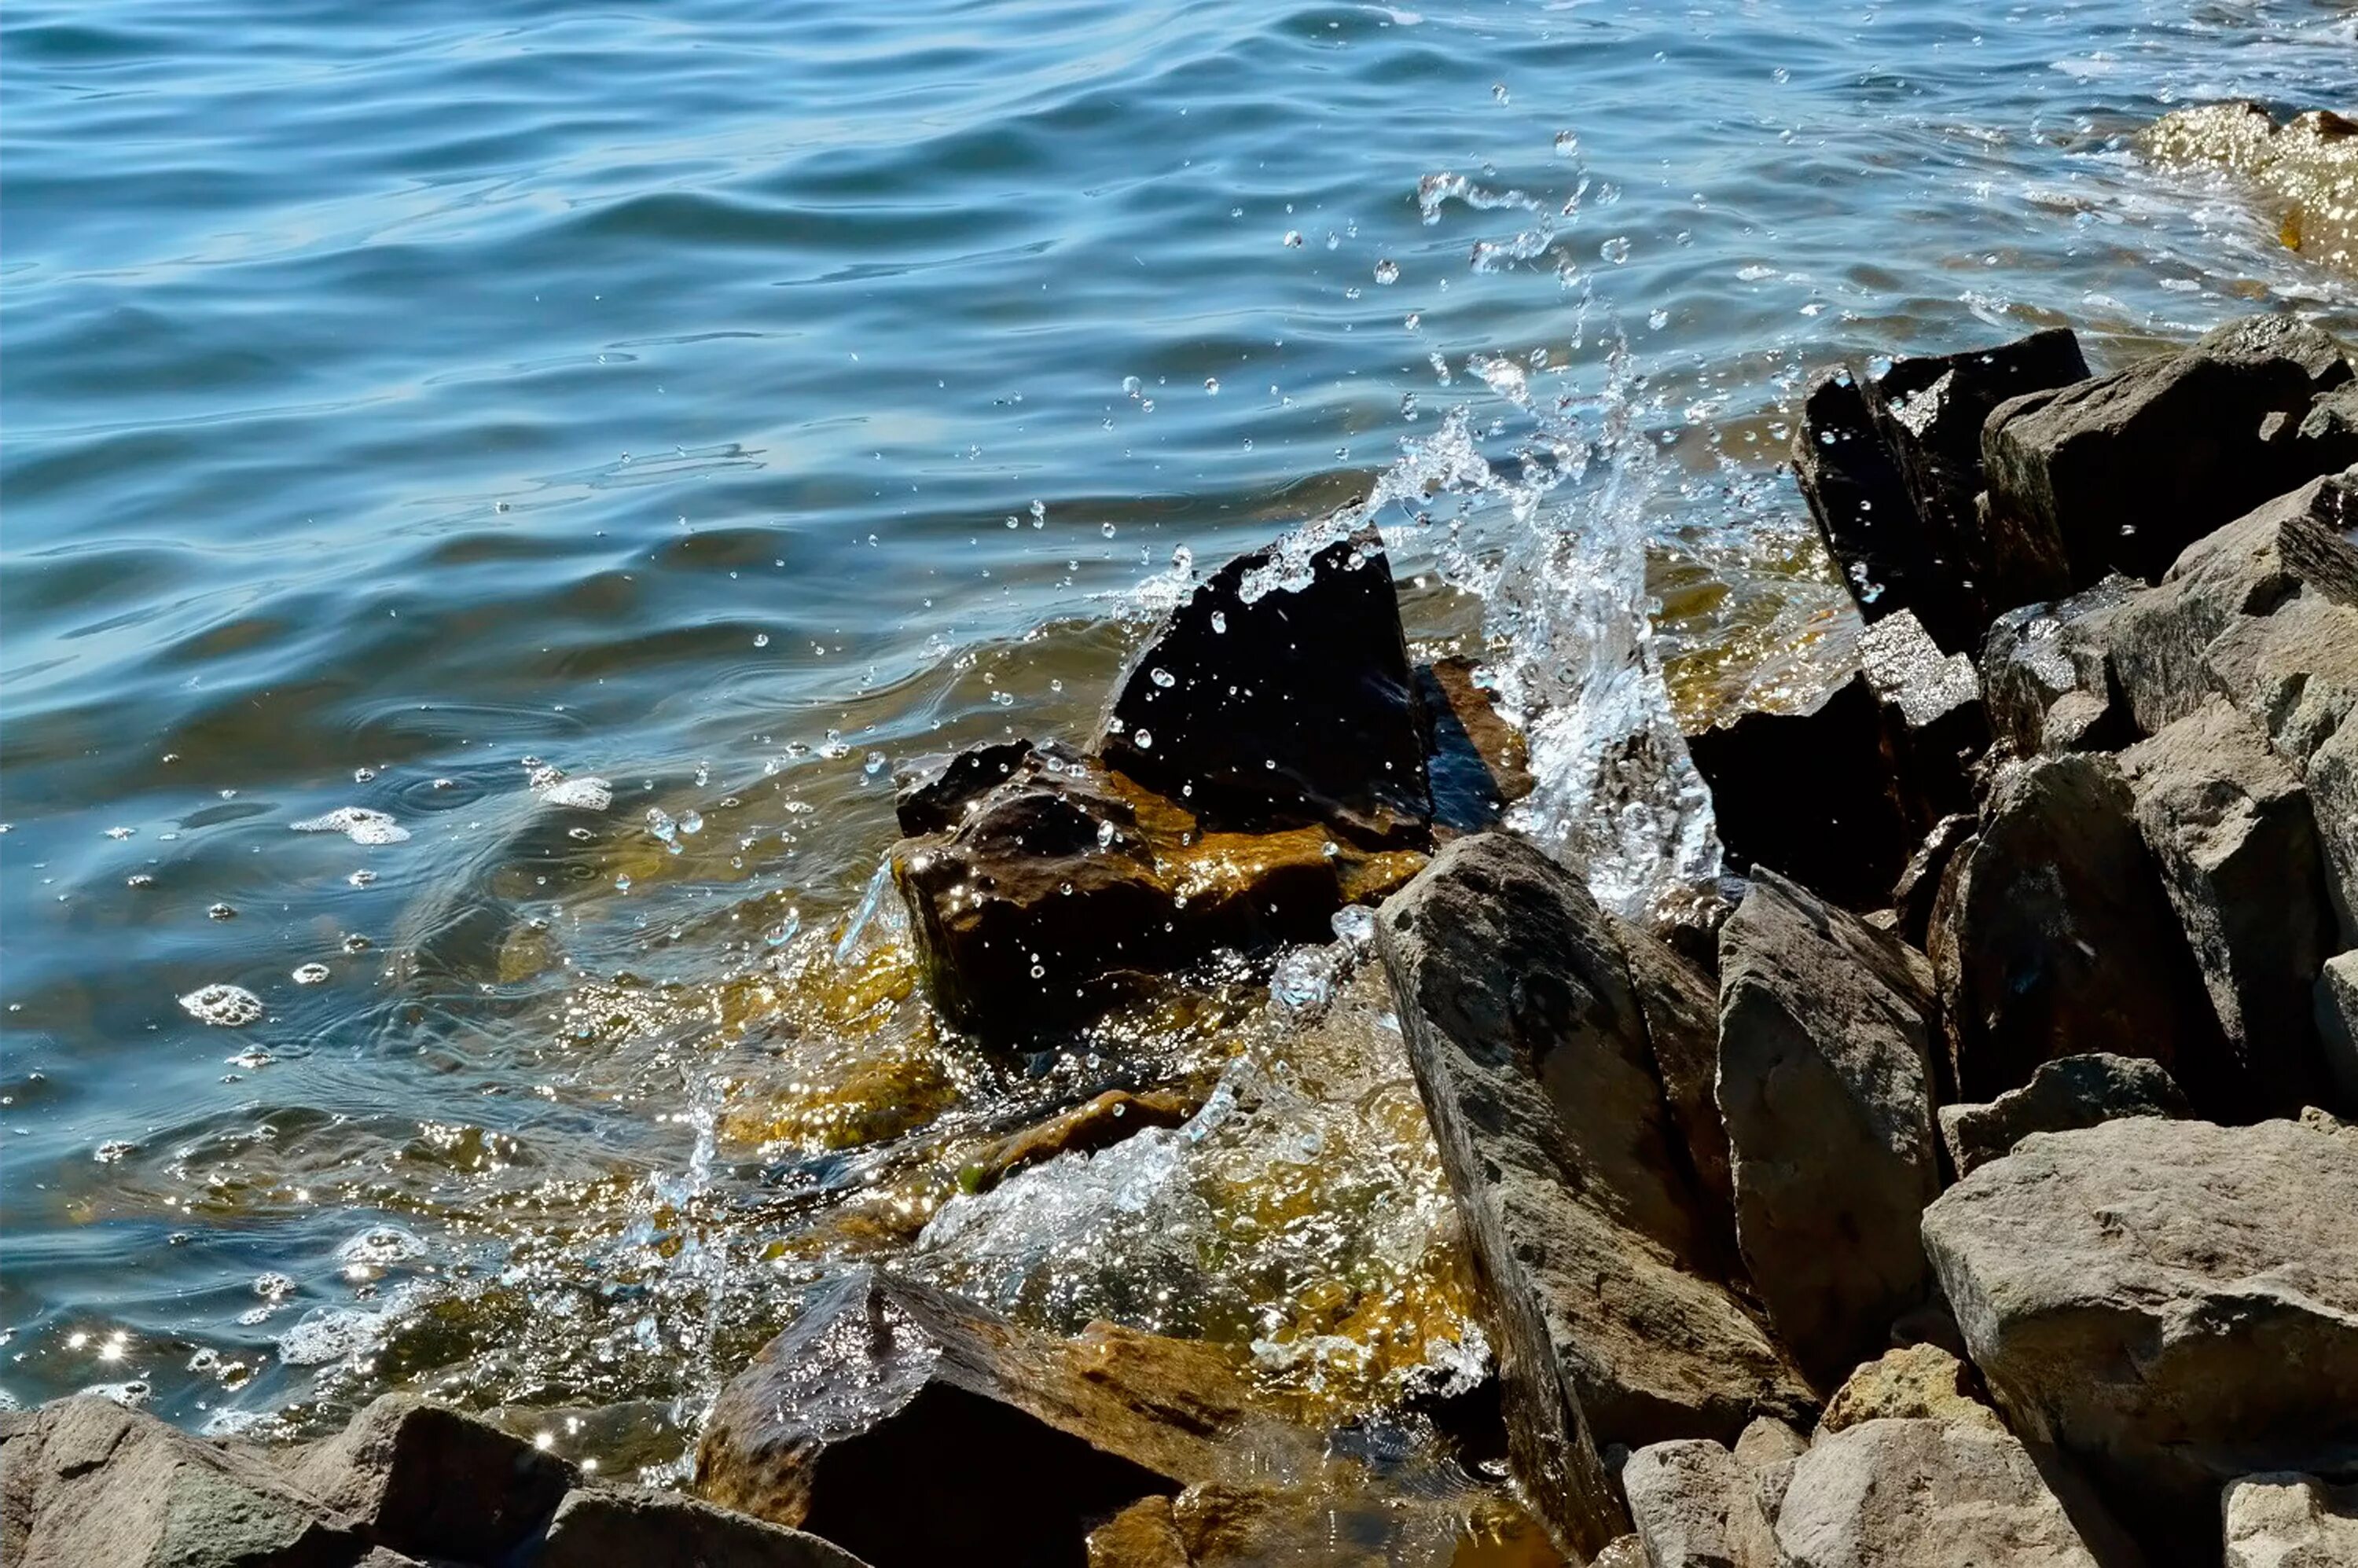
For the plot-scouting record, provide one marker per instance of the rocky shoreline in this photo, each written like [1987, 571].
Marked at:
[1964, 1185]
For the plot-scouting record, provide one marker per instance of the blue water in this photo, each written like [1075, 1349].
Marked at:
[725, 400]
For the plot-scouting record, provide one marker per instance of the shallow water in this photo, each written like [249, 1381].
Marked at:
[439, 412]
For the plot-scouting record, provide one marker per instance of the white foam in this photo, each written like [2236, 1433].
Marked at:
[230, 1007]
[358, 823]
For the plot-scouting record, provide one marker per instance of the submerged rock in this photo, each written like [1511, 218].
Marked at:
[1696, 1507]
[2067, 1093]
[2305, 171]
[1923, 1494]
[1104, 1121]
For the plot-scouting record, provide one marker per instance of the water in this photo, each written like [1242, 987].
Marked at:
[490, 489]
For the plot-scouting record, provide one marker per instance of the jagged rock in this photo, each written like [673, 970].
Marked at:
[2173, 1303]
[881, 1379]
[1681, 1008]
[1923, 1494]
[1062, 888]
[931, 793]
[385, 1557]
[88, 1483]
[2126, 470]
[2230, 828]
[1768, 1441]
[1143, 1535]
[1916, 1382]
[1932, 712]
[1918, 887]
[1622, 1552]
[618, 1525]
[1279, 696]
[2290, 1521]
[1694, 1508]
[1826, 1083]
[1477, 764]
[1531, 1052]
[2067, 1093]
[2046, 682]
[1097, 1124]
[2337, 1024]
[2305, 170]
[2329, 431]
[433, 1482]
[1810, 796]
[2054, 937]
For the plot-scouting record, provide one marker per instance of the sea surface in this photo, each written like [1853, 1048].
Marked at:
[488, 493]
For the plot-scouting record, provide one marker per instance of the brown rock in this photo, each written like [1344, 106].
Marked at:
[2065, 1094]
[2290, 1521]
[1919, 1382]
[1098, 1124]
[1695, 1507]
[1476, 762]
[1924, 1494]
[433, 1482]
[1143, 1535]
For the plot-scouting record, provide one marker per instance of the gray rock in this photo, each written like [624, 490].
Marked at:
[2330, 428]
[613, 1525]
[2172, 1303]
[1932, 715]
[2337, 1025]
[1923, 1494]
[2230, 826]
[430, 1481]
[1532, 1053]
[1856, 497]
[1825, 1084]
[2069, 1092]
[1694, 1508]
[1768, 1441]
[1622, 1551]
[2289, 1520]
[1917, 890]
[1681, 1008]
[2047, 680]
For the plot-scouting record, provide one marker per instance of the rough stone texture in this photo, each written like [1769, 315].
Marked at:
[1918, 887]
[1923, 1494]
[1530, 1051]
[2230, 826]
[1095, 1124]
[428, 1480]
[1286, 659]
[881, 1379]
[2055, 938]
[1826, 1083]
[2046, 682]
[1870, 526]
[2290, 1521]
[1810, 796]
[2330, 428]
[1694, 1508]
[1932, 714]
[931, 794]
[2067, 1092]
[1681, 1008]
[1477, 764]
[1916, 1382]
[1143, 1535]
[2126, 470]
[1622, 1552]
[1767, 1442]
[2305, 171]
[2337, 1025]
[618, 1525]
[2173, 1303]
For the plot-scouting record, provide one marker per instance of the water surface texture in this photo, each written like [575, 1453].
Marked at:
[489, 491]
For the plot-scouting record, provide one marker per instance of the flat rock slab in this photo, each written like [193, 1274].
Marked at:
[2067, 1092]
[2173, 1303]
[1923, 1494]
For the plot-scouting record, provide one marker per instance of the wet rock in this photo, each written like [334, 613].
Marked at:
[1477, 765]
[2173, 1303]
[2065, 1094]
[879, 1379]
[1933, 713]
[430, 1481]
[1825, 1082]
[931, 793]
[1681, 1008]
[2337, 1025]
[2230, 828]
[1532, 1054]
[1694, 1508]
[1279, 696]
[1622, 1552]
[2290, 1521]
[2046, 682]
[1923, 1494]
[1100, 1123]
[1861, 505]
[1143, 1535]
[1810, 796]
[612, 1525]
[2304, 172]
[1918, 887]
[2126, 470]
[1917, 1382]
[2328, 433]
[2054, 937]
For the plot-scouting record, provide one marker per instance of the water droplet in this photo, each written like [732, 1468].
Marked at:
[761, 639]
[1212, 385]
[228, 1006]
[311, 975]
[1387, 272]
[1293, 239]
[1567, 143]
[1219, 621]
[1614, 250]
[1131, 386]
[1161, 677]
[1106, 529]
[1145, 739]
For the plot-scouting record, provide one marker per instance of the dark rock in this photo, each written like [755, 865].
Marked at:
[1099, 1123]
[1918, 887]
[1933, 713]
[2128, 471]
[931, 793]
[2055, 938]
[430, 1481]
[2337, 1025]
[2329, 431]
[2230, 828]
[1870, 526]
[627, 1525]
[1592, 1245]
[1825, 1082]
[2067, 1093]
[2047, 681]
[1288, 701]
[1810, 796]
[2173, 1303]
[2290, 1521]
[1477, 765]
[881, 1385]
[1924, 1494]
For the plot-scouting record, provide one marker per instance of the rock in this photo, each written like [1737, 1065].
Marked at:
[2289, 1520]
[1694, 1508]
[1099, 1123]
[1826, 1083]
[1143, 1535]
[881, 1379]
[2337, 1024]
[1918, 887]
[1917, 1382]
[2046, 682]
[2231, 828]
[2304, 171]
[2330, 431]
[2067, 1093]
[1622, 1551]
[2173, 1303]
[1279, 696]
[931, 793]
[2054, 937]
[88, 1483]
[1767, 1442]
[1933, 713]
[2126, 470]
[430, 1481]
[1477, 764]
[1923, 1494]
[612, 1525]
[1681, 1008]
[1810, 796]
[1531, 1052]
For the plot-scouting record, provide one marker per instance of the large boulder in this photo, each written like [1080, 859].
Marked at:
[1681, 1008]
[2054, 936]
[1696, 1507]
[1595, 1249]
[2173, 1303]
[1279, 695]
[2125, 471]
[1923, 1494]
[606, 1526]
[2067, 1093]
[2289, 1520]
[1826, 1083]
